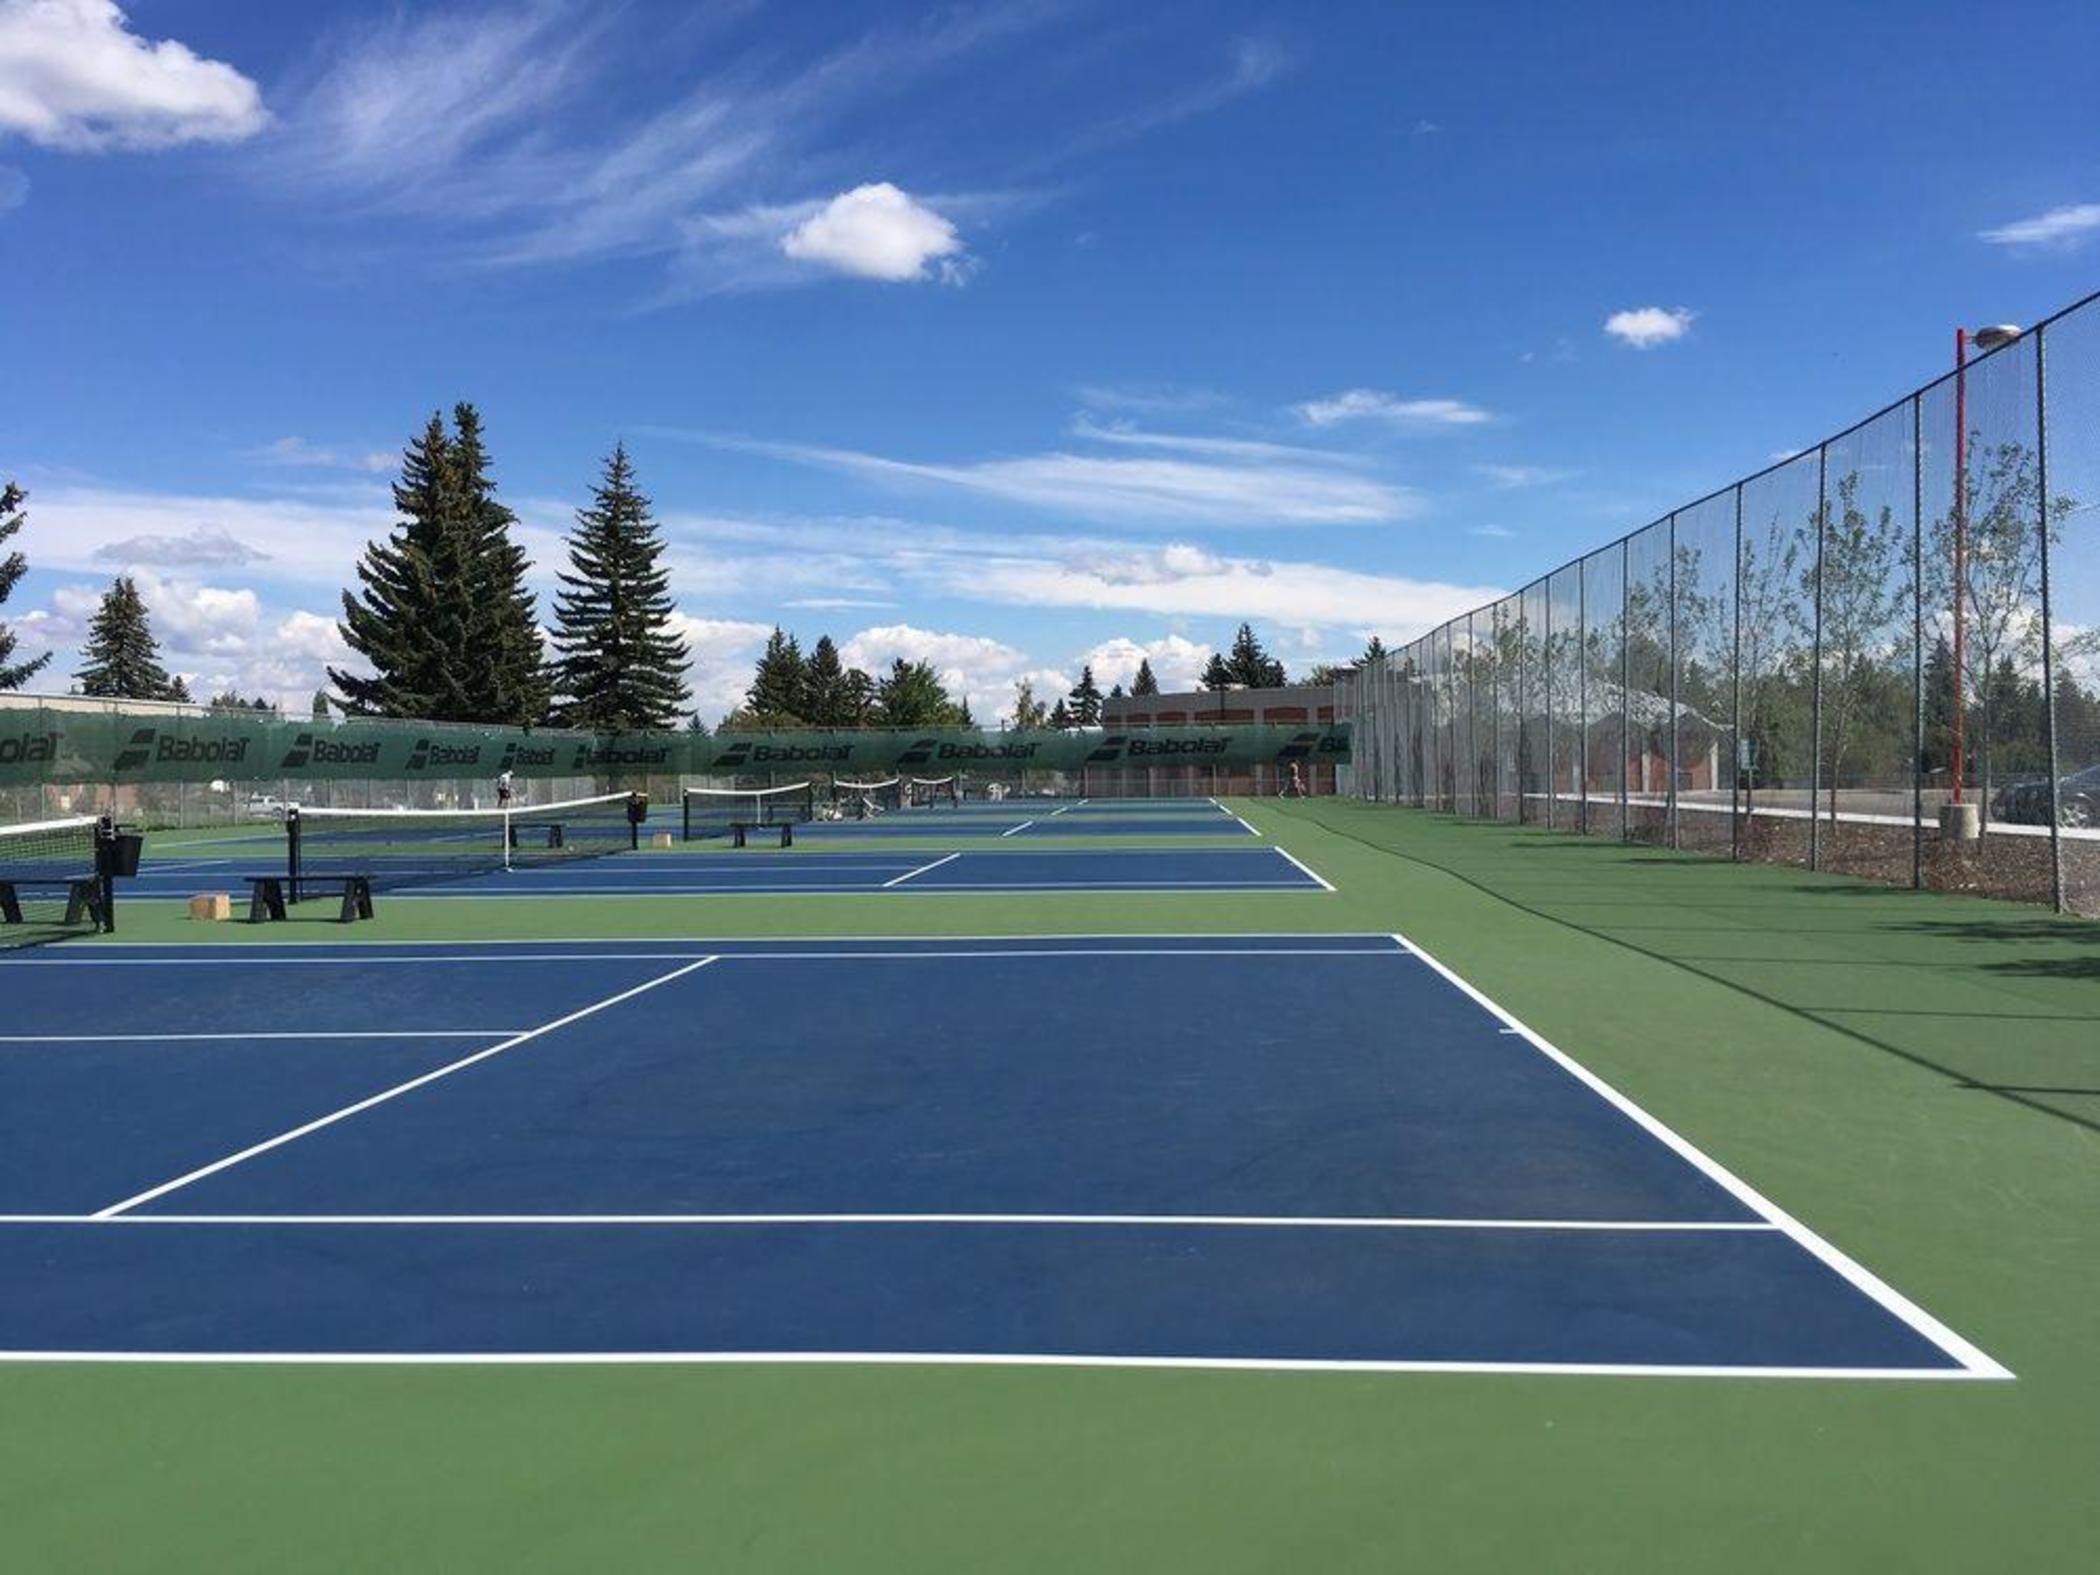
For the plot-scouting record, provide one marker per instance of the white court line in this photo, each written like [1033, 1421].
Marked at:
[1249, 829]
[921, 870]
[1076, 803]
[507, 942]
[536, 957]
[1975, 1362]
[1325, 884]
[1174, 1221]
[141, 1039]
[1253, 1364]
[395, 1092]
[1011, 830]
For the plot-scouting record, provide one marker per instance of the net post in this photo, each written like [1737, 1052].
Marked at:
[291, 853]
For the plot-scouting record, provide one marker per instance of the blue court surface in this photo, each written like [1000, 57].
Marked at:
[1269, 1151]
[985, 821]
[761, 872]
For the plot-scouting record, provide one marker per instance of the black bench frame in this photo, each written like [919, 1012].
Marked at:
[83, 899]
[740, 832]
[266, 896]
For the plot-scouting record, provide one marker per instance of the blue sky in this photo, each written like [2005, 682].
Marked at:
[1010, 336]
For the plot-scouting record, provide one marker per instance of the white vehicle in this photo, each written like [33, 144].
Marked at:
[263, 806]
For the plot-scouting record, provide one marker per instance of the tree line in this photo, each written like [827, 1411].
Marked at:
[442, 615]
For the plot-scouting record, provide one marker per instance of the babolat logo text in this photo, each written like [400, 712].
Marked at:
[1156, 748]
[518, 757]
[149, 746]
[596, 756]
[757, 754]
[307, 749]
[435, 752]
[950, 750]
[25, 749]
[1108, 750]
[1301, 745]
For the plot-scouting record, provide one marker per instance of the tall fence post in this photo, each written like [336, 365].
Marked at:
[1917, 643]
[2041, 448]
[1626, 693]
[1815, 748]
[1735, 766]
[1671, 765]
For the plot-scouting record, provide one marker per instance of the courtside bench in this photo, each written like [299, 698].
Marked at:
[740, 832]
[266, 896]
[83, 898]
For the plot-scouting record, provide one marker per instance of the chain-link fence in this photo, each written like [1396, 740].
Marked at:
[1880, 656]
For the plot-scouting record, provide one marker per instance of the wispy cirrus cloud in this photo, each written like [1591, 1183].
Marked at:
[1513, 478]
[298, 452]
[1375, 405]
[74, 77]
[503, 130]
[2066, 227]
[1163, 487]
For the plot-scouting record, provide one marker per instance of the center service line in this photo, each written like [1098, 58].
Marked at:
[1013, 830]
[395, 1092]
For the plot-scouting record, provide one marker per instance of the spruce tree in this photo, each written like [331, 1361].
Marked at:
[825, 701]
[1144, 683]
[509, 676]
[1374, 648]
[406, 621]
[1116, 692]
[1085, 699]
[1216, 675]
[859, 705]
[13, 675]
[1250, 665]
[621, 664]
[122, 658]
[912, 695]
[1060, 718]
[779, 684]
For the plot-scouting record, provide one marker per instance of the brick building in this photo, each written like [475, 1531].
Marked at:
[1288, 706]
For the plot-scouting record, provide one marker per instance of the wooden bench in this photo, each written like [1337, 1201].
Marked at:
[740, 832]
[83, 898]
[266, 896]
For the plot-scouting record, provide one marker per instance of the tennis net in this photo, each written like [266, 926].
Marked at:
[856, 799]
[410, 847]
[926, 792]
[710, 812]
[53, 880]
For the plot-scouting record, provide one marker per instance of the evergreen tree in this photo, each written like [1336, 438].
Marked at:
[1374, 648]
[1029, 712]
[824, 679]
[1085, 699]
[858, 708]
[1216, 675]
[13, 675]
[179, 689]
[122, 657]
[621, 665]
[695, 726]
[1060, 718]
[510, 675]
[1250, 665]
[1144, 683]
[1116, 693]
[962, 714]
[320, 705]
[912, 695]
[407, 621]
[779, 685]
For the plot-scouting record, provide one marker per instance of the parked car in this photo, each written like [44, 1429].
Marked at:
[2027, 803]
[263, 806]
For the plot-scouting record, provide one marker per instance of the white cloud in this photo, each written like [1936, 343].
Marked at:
[974, 666]
[876, 231]
[1645, 327]
[723, 651]
[1510, 478]
[2066, 227]
[297, 451]
[86, 528]
[1149, 398]
[1123, 435]
[1177, 662]
[1186, 580]
[206, 545]
[1252, 492]
[74, 77]
[1493, 532]
[1371, 404]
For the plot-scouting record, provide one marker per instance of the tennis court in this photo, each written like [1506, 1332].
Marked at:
[1531, 1172]
[711, 1150]
[761, 872]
